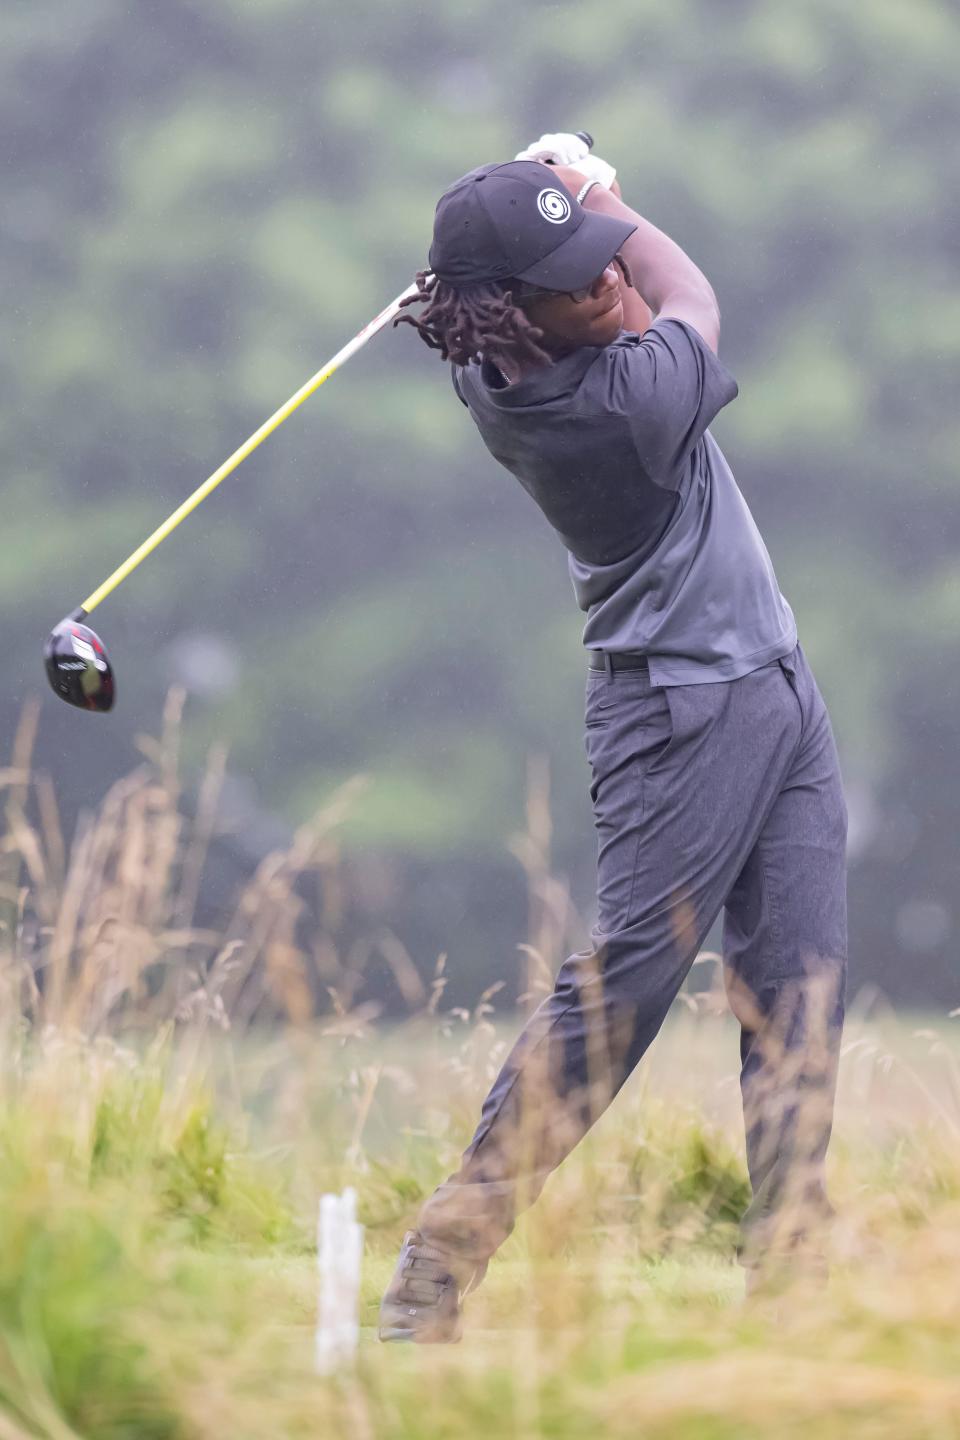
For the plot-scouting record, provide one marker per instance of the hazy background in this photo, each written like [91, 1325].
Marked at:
[202, 202]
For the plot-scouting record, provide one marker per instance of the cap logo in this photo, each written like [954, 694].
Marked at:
[553, 206]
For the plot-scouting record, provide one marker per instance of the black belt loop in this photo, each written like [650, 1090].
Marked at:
[608, 664]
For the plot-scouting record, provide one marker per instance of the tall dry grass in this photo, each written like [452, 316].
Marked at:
[172, 1099]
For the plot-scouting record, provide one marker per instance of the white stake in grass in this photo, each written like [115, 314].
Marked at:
[339, 1257]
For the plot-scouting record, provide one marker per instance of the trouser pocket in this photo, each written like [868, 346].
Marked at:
[628, 732]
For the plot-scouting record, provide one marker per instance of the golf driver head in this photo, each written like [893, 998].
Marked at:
[77, 665]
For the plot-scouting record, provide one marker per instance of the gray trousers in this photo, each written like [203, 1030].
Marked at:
[706, 797]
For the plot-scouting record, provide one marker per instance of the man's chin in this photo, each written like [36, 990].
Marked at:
[608, 327]
[603, 331]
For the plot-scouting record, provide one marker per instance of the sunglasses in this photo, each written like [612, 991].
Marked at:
[524, 294]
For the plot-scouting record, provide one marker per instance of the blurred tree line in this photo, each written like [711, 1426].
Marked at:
[203, 201]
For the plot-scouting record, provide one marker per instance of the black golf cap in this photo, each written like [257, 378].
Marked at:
[517, 221]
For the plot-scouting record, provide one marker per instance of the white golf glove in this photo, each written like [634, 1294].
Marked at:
[564, 149]
[591, 167]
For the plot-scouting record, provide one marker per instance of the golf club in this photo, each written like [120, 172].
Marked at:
[78, 666]
[77, 663]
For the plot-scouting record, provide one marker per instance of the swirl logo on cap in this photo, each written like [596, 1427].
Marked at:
[553, 206]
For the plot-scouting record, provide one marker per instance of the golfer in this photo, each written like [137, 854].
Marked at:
[583, 342]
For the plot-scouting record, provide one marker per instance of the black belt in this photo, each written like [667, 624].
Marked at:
[617, 660]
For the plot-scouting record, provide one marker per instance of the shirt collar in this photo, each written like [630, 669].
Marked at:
[537, 386]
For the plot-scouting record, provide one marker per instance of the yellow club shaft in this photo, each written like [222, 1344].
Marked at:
[239, 455]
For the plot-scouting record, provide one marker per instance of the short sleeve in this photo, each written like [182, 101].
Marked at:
[669, 386]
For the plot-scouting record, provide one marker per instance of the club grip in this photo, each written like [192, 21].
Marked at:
[586, 137]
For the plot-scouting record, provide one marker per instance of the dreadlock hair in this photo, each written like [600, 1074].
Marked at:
[479, 321]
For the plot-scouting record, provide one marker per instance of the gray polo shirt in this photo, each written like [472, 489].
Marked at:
[612, 443]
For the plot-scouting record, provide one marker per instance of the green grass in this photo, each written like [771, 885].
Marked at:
[158, 1196]
[157, 1275]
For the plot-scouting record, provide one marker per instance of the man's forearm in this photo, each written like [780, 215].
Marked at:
[637, 315]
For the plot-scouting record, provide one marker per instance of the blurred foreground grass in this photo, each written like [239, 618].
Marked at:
[157, 1270]
[168, 1117]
